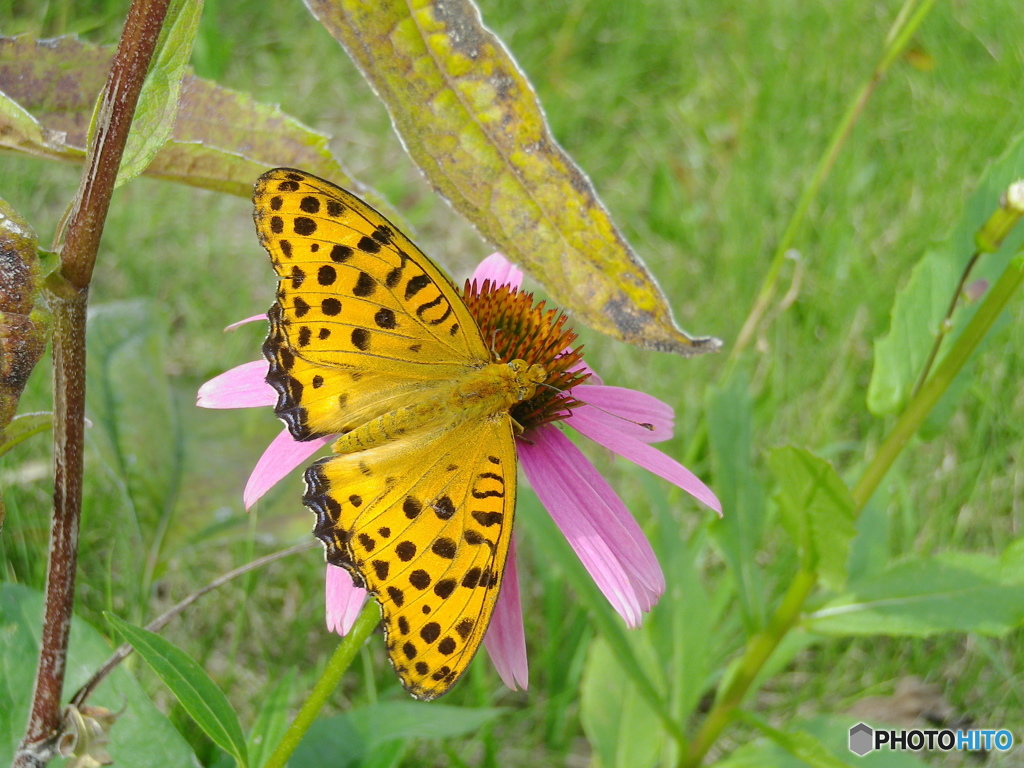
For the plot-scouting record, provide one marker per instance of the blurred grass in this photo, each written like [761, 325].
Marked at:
[699, 123]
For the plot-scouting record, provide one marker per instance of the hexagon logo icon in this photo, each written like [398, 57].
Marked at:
[861, 739]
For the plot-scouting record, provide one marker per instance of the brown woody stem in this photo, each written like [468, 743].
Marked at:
[78, 256]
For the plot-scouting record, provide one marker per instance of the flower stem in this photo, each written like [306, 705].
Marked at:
[907, 22]
[761, 646]
[933, 389]
[78, 256]
[339, 662]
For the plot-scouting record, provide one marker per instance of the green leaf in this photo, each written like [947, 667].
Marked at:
[621, 727]
[142, 737]
[191, 686]
[816, 739]
[920, 306]
[367, 735]
[23, 427]
[800, 744]
[817, 511]
[952, 592]
[221, 140]
[419, 720]
[158, 101]
[129, 399]
[730, 414]
[469, 118]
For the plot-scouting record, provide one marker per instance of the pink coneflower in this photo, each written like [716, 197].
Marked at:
[594, 520]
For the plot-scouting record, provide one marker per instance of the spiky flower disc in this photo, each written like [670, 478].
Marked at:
[518, 329]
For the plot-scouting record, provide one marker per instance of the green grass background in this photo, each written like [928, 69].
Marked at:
[699, 123]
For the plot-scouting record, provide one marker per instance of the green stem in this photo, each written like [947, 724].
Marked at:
[336, 667]
[919, 407]
[895, 44]
[761, 646]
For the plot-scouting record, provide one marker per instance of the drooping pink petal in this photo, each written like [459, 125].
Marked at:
[647, 456]
[623, 410]
[499, 270]
[283, 455]
[595, 521]
[505, 640]
[240, 323]
[244, 386]
[344, 600]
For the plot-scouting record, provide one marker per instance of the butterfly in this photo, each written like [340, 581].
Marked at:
[370, 341]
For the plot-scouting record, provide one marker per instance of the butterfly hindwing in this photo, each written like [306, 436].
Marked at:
[431, 546]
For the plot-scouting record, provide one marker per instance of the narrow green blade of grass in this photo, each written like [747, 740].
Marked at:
[191, 686]
[738, 534]
[271, 721]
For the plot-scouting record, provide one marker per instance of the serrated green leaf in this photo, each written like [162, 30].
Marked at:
[142, 737]
[191, 686]
[952, 592]
[621, 727]
[921, 305]
[817, 511]
[730, 414]
[158, 100]
[221, 140]
[469, 118]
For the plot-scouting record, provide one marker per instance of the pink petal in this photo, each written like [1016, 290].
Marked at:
[595, 521]
[623, 410]
[283, 455]
[499, 270]
[344, 600]
[244, 386]
[505, 640]
[648, 457]
[240, 323]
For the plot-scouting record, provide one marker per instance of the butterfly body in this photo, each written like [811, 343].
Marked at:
[370, 341]
[485, 394]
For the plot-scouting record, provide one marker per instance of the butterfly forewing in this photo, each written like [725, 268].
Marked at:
[430, 545]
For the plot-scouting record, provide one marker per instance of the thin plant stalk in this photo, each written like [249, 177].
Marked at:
[328, 682]
[762, 645]
[78, 257]
[910, 17]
